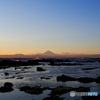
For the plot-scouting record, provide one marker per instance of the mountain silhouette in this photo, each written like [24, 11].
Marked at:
[49, 53]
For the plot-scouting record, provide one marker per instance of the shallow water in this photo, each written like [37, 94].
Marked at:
[19, 95]
[31, 77]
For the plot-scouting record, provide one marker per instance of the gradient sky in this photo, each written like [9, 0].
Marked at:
[35, 26]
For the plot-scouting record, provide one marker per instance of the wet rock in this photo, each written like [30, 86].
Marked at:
[32, 90]
[98, 80]
[45, 78]
[54, 97]
[82, 89]
[86, 80]
[6, 73]
[8, 84]
[91, 97]
[26, 67]
[10, 63]
[19, 77]
[4, 89]
[65, 64]
[55, 92]
[15, 68]
[89, 68]
[25, 88]
[60, 90]
[7, 87]
[65, 78]
[16, 73]
[10, 77]
[40, 69]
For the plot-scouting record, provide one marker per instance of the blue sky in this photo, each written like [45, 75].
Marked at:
[32, 26]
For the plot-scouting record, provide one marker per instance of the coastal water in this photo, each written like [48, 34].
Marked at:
[29, 76]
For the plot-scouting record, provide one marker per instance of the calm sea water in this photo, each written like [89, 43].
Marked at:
[32, 77]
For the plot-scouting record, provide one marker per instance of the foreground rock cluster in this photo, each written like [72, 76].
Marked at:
[55, 92]
[7, 87]
[64, 78]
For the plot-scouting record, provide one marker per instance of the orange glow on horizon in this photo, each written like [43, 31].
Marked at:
[33, 52]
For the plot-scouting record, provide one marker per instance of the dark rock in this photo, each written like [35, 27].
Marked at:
[98, 80]
[32, 90]
[82, 89]
[45, 78]
[55, 92]
[7, 87]
[10, 77]
[58, 91]
[52, 63]
[16, 73]
[86, 80]
[54, 97]
[25, 88]
[65, 64]
[61, 90]
[91, 97]
[19, 77]
[89, 68]
[40, 69]
[8, 84]
[6, 73]
[65, 78]
[9, 63]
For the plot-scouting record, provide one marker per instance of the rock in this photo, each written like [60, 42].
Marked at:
[91, 97]
[58, 91]
[16, 73]
[98, 80]
[8, 84]
[19, 77]
[64, 64]
[6, 73]
[54, 97]
[65, 78]
[61, 90]
[45, 78]
[25, 88]
[7, 87]
[40, 69]
[32, 90]
[89, 68]
[86, 80]
[82, 89]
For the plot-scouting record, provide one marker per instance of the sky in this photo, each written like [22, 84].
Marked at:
[61, 26]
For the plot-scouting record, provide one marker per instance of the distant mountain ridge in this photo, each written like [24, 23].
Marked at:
[50, 54]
